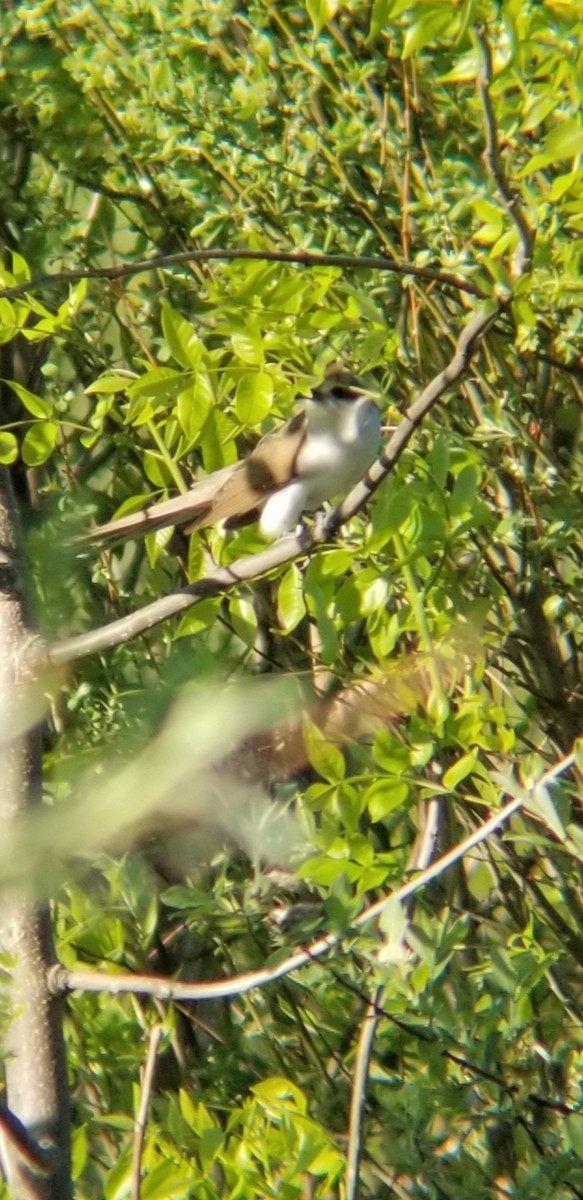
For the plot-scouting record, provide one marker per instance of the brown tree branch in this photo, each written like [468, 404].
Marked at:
[302, 258]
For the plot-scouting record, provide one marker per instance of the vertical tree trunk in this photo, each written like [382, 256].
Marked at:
[35, 1065]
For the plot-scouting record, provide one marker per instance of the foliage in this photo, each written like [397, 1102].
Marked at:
[129, 131]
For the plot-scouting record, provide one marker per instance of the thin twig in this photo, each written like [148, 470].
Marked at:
[359, 1083]
[494, 159]
[422, 854]
[155, 1038]
[459, 1060]
[291, 547]
[302, 258]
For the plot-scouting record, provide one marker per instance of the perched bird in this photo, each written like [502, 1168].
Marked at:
[316, 455]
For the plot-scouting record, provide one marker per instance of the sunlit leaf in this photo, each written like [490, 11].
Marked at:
[39, 442]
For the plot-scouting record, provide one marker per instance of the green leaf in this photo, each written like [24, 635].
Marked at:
[8, 321]
[181, 338]
[439, 459]
[249, 348]
[427, 29]
[79, 1151]
[291, 604]
[203, 616]
[166, 1182]
[321, 12]
[20, 268]
[244, 619]
[211, 1141]
[193, 406]
[180, 896]
[524, 313]
[564, 141]
[539, 802]
[218, 443]
[254, 397]
[379, 17]
[282, 1092]
[390, 513]
[324, 757]
[158, 383]
[574, 1129]
[39, 443]
[35, 404]
[578, 749]
[109, 383]
[464, 491]
[157, 469]
[385, 796]
[8, 447]
[459, 771]
[76, 297]
[393, 923]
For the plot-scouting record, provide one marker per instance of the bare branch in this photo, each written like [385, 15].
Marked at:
[292, 547]
[421, 856]
[359, 1081]
[303, 258]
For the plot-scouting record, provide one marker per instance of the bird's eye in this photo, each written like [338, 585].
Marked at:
[338, 392]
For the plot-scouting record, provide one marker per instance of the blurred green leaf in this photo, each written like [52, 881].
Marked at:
[291, 605]
[8, 447]
[39, 442]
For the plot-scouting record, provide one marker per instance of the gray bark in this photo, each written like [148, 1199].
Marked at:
[35, 1066]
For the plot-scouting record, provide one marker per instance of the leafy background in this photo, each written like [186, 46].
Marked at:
[131, 130]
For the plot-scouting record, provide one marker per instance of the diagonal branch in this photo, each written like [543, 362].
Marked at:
[288, 548]
[469, 339]
[62, 980]
[40, 1159]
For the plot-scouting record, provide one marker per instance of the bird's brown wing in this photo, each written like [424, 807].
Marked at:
[177, 511]
[235, 494]
[269, 467]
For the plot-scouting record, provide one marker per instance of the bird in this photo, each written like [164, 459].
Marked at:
[316, 455]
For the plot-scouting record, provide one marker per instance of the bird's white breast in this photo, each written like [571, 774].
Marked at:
[341, 443]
